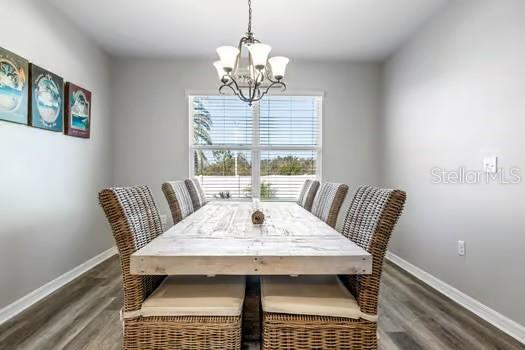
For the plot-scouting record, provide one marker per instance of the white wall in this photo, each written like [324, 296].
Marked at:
[151, 118]
[453, 94]
[50, 221]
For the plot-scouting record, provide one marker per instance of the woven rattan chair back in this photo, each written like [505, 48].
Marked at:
[179, 199]
[307, 194]
[198, 198]
[328, 201]
[135, 221]
[369, 222]
[304, 191]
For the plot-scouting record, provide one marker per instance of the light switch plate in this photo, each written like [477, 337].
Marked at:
[490, 164]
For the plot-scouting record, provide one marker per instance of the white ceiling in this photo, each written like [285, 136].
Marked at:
[307, 29]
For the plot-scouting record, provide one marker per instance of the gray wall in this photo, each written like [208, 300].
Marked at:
[453, 94]
[50, 221]
[151, 118]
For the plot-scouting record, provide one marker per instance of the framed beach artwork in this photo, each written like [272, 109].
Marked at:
[13, 87]
[78, 111]
[46, 105]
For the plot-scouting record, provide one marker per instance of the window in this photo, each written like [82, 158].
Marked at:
[264, 151]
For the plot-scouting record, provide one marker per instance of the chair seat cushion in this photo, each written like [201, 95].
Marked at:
[196, 296]
[308, 295]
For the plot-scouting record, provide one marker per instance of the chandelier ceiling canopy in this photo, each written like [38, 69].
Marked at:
[247, 70]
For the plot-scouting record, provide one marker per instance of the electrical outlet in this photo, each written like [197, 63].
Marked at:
[461, 248]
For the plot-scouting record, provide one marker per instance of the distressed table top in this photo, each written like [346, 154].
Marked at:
[220, 239]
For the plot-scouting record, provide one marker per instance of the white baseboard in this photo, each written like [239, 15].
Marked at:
[504, 323]
[26, 301]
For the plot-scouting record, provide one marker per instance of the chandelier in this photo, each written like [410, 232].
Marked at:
[247, 70]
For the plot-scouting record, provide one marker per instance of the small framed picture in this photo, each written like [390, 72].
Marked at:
[78, 111]
[14, 82]
[46, 105]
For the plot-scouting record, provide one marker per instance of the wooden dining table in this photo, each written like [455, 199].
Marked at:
[220, 239]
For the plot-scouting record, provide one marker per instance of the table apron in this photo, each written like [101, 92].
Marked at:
[250, 265]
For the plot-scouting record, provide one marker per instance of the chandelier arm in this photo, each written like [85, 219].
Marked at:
[259, 78]
[247, 39]
[282, 85]
[255, 95]
[227, 81]
[278, 83]
[224, 86]
[255, 86]
[259, 97]
[250, 91]
[237, 91]
[260, 83]
[243, 98]
[268, 76]
[242, 42]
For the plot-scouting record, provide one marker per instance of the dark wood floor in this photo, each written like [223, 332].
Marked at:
[85, 315]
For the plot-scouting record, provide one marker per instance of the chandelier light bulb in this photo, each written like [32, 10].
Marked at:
[220, 69]
[228, 56]
[278, 65]
[259, 53]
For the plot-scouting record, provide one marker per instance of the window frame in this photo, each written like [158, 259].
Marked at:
[256, 147]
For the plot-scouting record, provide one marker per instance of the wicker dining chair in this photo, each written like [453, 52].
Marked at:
[198, 198]
[179, 199]
[330, 312]
[307, 194]
[328, 201]
[160, 312]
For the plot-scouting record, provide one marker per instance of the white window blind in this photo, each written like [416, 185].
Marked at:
[267, 150]
[229, 121]
[289, 121]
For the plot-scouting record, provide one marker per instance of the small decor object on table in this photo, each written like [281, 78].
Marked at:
[14, 73]
[46, 105]
[78, 111]
[257, 215]
[223, 195]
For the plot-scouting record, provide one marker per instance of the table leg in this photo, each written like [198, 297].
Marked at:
[251, 326]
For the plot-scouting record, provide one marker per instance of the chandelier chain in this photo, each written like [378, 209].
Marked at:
[249, 16]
